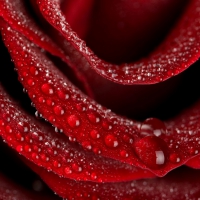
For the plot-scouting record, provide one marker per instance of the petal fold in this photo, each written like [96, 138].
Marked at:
[93, 126]
[177, 52]
[180, 185]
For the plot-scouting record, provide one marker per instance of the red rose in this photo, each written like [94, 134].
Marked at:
[96, 153]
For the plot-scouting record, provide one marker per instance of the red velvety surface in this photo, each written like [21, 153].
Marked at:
[180, 184]
[177, 52]
[92, 126]
[10, 190]
[40, 144]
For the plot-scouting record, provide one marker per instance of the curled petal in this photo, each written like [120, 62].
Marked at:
[177, 185]
[17, 15]
[179, 50]
[95, 127]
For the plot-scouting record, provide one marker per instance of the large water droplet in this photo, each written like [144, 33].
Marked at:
[152, 126]
[111, 141]
[153, 151]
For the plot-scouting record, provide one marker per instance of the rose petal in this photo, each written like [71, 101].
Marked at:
[194, 162]
[180, 184]
[96, 128]
[17, 15]
[124, 31]
[43, 146]
[175, 54]
[12, 191]
[78, 14]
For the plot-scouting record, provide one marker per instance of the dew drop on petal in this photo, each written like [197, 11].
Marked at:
[174, 157]
[106, 125]
[152, 126]
[62, 95]
[8, 129]
[27, 148]
[73, 121]
[123, 153]
[111, 141]
[33, 71]
[19, 148]
[47, 89]
[87, 145]
[94, 134]
[2, 123]
[23, 127]
[58, 110]
[94, 118]
[49, 102]
[152, 151]
[76, 167]
[93, 176]
[68, 170]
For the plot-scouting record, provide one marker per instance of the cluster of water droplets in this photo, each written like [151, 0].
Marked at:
[96, 128]
[164, 63]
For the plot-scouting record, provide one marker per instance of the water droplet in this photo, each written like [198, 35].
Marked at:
[73, 121]
[8, 129]
[127, 139]
[56, 163]
[94, 134]
[51, 118]
[152, 126]
[86, 145]
[50, 102]
[27, 148]
[47, 89]
[174, 158]
[96, 150]
[23, 127]
[124, 154]
[153, 151]
[2, 123]
[68, 170]
[30, 82]
[80, 107]
[93, 176]
[93, 117]
[106, 125]
[76, 167]
[19, 148]
[62, 95]
[58, 110]
[41, 99]
[33, 71]
[111, 141]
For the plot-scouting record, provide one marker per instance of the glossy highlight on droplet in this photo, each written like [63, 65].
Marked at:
[152, 126]
[111, 141]
[152, 151]
[47, 89]
[73, 121]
